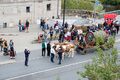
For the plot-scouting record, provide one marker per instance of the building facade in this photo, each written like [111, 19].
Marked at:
[11, 11]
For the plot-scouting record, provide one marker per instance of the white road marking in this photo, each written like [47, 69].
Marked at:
[7, 62]
[49, 69]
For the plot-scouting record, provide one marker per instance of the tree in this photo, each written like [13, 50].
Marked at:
[111, 2]
[78, 4]
[82, 5]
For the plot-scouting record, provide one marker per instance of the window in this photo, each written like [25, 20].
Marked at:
[27, 9]
[48, 7]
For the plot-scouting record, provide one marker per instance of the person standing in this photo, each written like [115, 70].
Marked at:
[5, 47]
[61, 37]
[41, 23]
[20, 26]
[48, 49]
[27, 52]
[12, 53]
[1, 42]
[27, 25]
[51, 33]
[117, 24]
[66, 25]
[56, 31]
[60, 52]
[52, 54]
[45, 36]
[43, 48]
[11, 45]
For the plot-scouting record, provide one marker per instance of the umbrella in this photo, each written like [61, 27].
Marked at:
[109, 18]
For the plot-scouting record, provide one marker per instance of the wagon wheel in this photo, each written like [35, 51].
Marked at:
[90, 39]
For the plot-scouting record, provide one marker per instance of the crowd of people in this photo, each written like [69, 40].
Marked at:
[23, 27]
[51, 51]
[67, 34]
[7, 49]
[62, 33]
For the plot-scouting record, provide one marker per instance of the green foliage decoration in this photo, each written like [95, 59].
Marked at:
[104, 66]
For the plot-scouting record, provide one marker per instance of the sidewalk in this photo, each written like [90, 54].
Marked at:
[21, 39]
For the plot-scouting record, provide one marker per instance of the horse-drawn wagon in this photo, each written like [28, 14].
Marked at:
[86, 39]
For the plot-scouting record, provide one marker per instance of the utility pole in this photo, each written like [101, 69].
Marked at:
[64, 12]
[57, 8]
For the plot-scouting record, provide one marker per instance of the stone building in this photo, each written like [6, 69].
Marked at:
[11, 11]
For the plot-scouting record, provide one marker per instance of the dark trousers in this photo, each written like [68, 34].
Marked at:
[60, 58]
[43, 51]
[26, 61]
[51, 35]
[20, 26]
[48, 52]
[61, 40]
[52, 57]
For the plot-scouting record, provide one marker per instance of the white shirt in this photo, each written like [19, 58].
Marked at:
[80, 31]
[45, 45]
[68, 33]
[52, 51]
[56, 27]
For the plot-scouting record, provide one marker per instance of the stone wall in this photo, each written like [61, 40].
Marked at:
[11, 13]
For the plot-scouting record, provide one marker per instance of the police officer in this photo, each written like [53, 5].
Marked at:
[27, 52]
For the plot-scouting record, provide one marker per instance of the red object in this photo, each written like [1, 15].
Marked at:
[68, 38]
[40, 38]
[109, 18]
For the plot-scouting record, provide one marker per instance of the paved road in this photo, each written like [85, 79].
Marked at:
[40, 64]
[40, 68]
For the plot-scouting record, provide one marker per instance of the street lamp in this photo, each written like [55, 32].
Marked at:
[64, 12]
